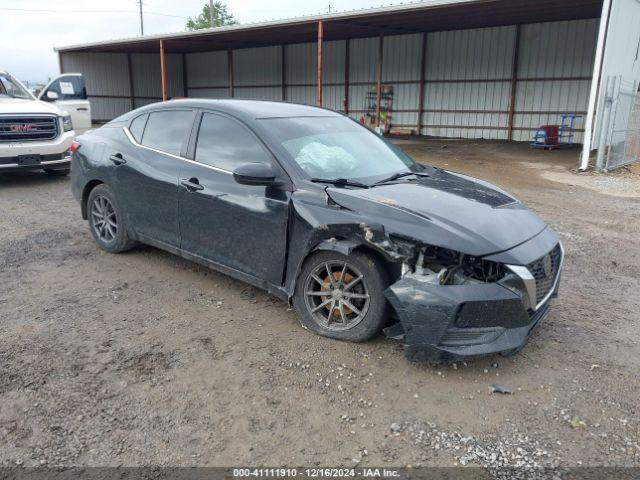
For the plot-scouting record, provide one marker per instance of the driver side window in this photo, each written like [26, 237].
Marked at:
[225, 143]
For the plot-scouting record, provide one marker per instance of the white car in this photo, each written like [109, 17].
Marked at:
[38, 133]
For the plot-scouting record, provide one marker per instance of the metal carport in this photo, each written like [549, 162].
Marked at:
[474, 69]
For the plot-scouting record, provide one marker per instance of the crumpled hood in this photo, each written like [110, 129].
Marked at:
[446, 209]
[25, 106]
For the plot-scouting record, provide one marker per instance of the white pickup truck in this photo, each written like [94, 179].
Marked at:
[38, 133]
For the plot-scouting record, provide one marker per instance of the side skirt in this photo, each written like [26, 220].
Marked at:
[277, 291]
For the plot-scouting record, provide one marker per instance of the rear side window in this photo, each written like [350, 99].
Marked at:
[70, 87]
[225, 143]
[137, 127]
[167, 130]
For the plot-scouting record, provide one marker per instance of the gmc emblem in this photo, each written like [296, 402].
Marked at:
[21, 128]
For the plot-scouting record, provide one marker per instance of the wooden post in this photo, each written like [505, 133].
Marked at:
[514, 83]
[132, 97]
[319, 66]
[230, 69]
[423, 66]
[379, 78]
[283, 54]
[347, 54]
[163, 73]
[185, 78]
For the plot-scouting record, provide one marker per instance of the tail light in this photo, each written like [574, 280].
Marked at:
[74, 146]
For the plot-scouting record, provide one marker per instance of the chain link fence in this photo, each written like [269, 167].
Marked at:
[624, 129]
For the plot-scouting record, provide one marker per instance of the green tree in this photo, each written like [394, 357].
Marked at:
[220, 17]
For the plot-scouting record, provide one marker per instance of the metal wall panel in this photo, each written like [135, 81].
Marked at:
[401, 58]
[332, 97]
[461, 70]
[303, 95]
[357, 97]
[480, 53]
[103, 109]
[105, 73]
[209, 92]
[363, 57]
[301, 59]
[208, 69]
[621, 53]
[141, 102]
[557, 49]
[259, 93]
[301, 71]
[257, 66]
[333, 62]
[147, 82]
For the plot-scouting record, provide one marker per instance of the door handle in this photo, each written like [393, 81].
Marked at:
[117, 159]
[192, 184]
[82, 109]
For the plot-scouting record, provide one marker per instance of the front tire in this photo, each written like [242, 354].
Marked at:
[107, 221]
[341, 297]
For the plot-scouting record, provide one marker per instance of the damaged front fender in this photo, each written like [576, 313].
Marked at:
[316, 226]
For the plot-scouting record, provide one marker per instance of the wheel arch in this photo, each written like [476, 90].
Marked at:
[86, 191]
[346, 247]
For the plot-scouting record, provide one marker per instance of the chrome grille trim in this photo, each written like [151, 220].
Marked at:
[539, 289]
[43, 127]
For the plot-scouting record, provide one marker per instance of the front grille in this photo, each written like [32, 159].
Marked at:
[28, 128]
[546, 279]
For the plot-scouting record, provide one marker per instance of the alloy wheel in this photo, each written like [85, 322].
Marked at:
[103, 219]
[336, 295]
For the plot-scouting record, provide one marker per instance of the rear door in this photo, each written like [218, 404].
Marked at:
[69, 93]
[146, 172]
[239, 226]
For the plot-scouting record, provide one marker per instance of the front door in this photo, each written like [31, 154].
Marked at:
[68, 92]
[238, 226]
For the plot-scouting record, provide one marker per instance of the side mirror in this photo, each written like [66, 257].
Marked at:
[52, 95]
[255, 174]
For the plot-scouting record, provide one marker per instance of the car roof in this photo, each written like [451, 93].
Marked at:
[249, 109]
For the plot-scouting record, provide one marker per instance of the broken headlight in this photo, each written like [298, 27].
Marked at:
[448, 267]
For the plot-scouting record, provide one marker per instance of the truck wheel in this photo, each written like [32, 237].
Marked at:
[341, 296]
[107, 221]
[56, 173]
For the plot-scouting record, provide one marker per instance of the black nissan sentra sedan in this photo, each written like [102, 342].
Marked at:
[322, 212]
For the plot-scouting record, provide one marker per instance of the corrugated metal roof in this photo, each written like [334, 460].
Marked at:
[428, 15]
[274, 23]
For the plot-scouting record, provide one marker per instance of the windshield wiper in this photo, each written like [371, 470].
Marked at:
[397, 176]
[340, 181]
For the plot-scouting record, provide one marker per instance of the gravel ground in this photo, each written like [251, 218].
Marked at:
[147, 359]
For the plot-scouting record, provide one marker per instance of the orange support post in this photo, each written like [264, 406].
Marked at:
[163, 73]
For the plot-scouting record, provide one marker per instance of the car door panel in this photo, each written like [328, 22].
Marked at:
[148, 184]
[238, 226]
[242, 227]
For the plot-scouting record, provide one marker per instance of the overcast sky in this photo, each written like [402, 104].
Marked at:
[27, 38]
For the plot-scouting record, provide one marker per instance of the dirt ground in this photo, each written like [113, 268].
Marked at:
[147, 359]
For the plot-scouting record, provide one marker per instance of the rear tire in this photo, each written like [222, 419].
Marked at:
[107, 221]
[56, 173]
[354, 307]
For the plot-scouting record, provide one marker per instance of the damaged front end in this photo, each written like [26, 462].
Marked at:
[451, 305]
